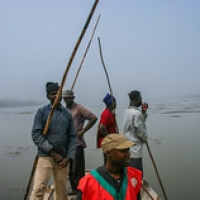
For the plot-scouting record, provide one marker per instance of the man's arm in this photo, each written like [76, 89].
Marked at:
[79, 195]
[142, 132]
[90, 123]
[140, 127]
[103, 130]
[37, 133]
[90, 117]
[88, 126]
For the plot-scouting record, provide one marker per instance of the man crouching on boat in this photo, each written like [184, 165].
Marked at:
[55, 149]
[114, 180]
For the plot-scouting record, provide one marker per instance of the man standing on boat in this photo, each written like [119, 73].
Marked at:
[107, 124]
[56, 149]
[80, 114]
[113, 180]
[134, 129]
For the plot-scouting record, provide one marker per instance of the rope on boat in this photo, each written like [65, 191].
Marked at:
[144, 188]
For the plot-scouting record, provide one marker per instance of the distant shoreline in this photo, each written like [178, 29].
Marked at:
[4, 103]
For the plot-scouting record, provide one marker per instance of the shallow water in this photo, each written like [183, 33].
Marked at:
[173, 127]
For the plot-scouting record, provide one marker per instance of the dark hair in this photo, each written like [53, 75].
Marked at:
[51, 86]
[134, 95]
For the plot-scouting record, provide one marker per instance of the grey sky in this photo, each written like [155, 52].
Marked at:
[152, 46]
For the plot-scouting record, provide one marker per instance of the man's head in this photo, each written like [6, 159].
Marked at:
[52, 89]
[110, 100]
[135, 97]
[116, 149]
[68, 97]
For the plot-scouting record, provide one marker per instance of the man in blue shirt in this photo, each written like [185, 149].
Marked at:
[55, 149]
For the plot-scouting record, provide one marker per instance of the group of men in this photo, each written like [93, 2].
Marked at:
[61, 150]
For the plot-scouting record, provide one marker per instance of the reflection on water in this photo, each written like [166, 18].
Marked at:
[173, 127]
[180, 106]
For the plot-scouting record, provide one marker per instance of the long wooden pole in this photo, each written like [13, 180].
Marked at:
[107, 76]
[69, 64]
[60, 90]
[156, 170]
[84, 55]
[104, 67]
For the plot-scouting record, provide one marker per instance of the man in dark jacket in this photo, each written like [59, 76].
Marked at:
[55, 149]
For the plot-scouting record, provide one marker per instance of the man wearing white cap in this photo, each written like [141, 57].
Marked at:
[113, 180]
[80, 115]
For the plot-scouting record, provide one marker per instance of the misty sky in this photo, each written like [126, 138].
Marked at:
[152, 46]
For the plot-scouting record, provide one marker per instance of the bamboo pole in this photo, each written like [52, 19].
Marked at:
[60, 90]
[107, 76]
[156, 170]
[84, 55]
[104, 67]
[68, 66]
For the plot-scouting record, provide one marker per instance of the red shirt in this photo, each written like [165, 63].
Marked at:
[94, 187]
[108, 120]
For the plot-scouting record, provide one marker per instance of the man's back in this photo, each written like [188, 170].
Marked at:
[133, 121]
[80, 114]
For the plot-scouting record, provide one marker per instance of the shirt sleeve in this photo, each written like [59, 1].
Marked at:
[87, 114]
[37, 132]
[71, 140]
[106, 118]
[141, 127]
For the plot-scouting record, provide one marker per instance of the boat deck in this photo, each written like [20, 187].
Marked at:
[147, 192]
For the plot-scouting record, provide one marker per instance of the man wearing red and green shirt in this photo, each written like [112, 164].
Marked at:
[114, 180]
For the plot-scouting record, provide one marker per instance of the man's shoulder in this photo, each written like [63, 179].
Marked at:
[65, 110]
[106, 112]
[79, 106]
[84, 110]
[134, 110]
[44, 107]
[134, 171]
[76, 106]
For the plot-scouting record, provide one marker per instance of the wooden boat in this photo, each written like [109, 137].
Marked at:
[147, 192]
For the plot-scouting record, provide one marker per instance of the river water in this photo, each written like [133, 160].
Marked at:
[173, 128]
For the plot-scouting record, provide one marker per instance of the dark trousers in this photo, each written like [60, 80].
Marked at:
[77, 167]
[137, 163]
